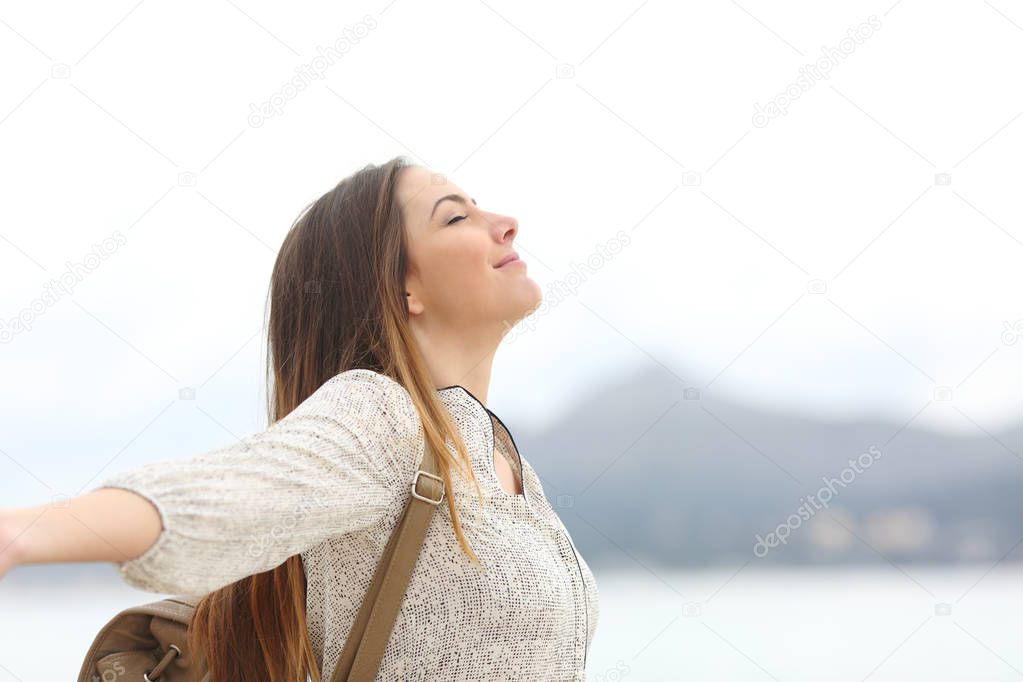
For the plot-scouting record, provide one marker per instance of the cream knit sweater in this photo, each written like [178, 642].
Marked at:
[329, 481]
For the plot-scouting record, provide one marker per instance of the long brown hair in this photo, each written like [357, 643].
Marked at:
[337, 302]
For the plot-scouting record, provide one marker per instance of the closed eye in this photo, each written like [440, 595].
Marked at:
[457, 217]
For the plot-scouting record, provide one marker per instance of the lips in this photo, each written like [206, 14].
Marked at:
[507, 259]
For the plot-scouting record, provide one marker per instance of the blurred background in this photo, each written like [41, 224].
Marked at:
[773, 390]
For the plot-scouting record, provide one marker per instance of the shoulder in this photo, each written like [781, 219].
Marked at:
[373, 405]
[365, 392]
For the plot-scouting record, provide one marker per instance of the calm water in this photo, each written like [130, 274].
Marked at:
[931, 624]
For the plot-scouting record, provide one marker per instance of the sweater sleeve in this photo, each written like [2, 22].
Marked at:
[335, 464]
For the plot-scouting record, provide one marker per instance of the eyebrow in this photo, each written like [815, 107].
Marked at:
[449, 197]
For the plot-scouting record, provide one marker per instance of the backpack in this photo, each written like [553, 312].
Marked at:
[145, 642]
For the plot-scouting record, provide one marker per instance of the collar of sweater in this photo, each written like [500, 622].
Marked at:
[479, 426]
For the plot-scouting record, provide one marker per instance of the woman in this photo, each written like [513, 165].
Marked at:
[388, 300]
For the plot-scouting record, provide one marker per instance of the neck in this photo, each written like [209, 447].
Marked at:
[458, 359]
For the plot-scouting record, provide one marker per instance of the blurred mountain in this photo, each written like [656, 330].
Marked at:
[653, 472]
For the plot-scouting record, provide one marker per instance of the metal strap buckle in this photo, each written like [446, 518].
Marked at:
[427, 499]
[172, 651]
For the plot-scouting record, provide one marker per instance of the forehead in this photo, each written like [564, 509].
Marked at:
[418, 189]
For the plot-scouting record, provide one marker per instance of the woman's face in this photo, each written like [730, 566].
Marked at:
[453, 248]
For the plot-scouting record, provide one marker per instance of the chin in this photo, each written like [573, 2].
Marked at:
[525, 301]
[531, 303]
[537, 299]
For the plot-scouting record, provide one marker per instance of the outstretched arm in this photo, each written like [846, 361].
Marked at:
[337, 463]
[109, 524]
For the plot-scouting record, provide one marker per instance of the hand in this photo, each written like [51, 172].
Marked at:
[8, 554]
[6, 564]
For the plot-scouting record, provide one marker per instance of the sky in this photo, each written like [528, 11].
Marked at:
[811, 208]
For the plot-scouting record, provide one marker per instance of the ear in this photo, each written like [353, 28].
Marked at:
[412, 285]
[415, 306]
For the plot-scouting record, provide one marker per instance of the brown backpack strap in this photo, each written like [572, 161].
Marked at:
[360, 659]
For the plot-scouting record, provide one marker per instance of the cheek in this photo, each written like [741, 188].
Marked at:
[459, 272]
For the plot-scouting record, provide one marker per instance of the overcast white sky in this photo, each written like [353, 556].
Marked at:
[134, 123]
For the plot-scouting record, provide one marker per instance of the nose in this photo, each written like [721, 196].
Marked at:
[506, 228]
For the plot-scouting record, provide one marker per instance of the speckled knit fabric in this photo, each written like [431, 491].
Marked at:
[329, 481]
